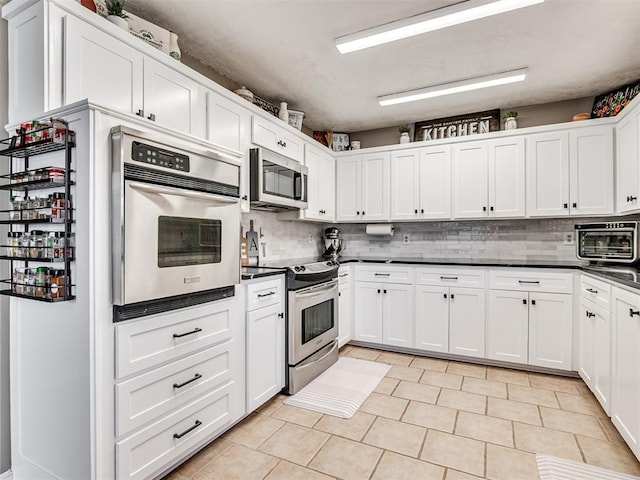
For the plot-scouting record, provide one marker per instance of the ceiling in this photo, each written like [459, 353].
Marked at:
[284, 50]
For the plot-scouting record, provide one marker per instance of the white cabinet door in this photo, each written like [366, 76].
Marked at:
[367, 325]
[467, 321]
[432, 318]
[470, 173]
[174, 100]
[435, 182]
[508, 326]
[397, 317]
[627, 155]
[375, 187]
[586, 343]
[548, 174]
[591, 170]
[327, 184]
[344, 314]
[550, 330]
[349, 189]
[625, 408]
[229, 125]
[101, 68]
[405, 185]
[268, 134]
[314, 184]
[265, 354]
[506, 178]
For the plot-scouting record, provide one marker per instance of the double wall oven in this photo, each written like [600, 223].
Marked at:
[176, 217]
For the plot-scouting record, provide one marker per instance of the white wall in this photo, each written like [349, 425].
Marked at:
[5, 440]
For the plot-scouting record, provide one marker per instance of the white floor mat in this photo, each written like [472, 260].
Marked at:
[552, 468]
[341, 389]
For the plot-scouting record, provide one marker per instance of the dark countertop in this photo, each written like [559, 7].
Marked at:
[466, 262]
[249, 273]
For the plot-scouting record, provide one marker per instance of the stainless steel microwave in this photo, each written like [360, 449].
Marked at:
[277, 183]
[611, 242]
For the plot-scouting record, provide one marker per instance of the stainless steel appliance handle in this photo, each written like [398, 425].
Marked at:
[312, 292]
[181, 192]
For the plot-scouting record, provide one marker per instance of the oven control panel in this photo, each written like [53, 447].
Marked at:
[153, 155]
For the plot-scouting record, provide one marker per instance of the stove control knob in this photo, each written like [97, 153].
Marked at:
[303, 268]
[297, 269]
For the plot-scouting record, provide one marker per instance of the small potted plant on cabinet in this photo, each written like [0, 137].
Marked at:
[404, 134]
[510, 121]
[116, 14]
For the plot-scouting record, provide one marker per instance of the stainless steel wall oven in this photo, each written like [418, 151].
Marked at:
[176, 217]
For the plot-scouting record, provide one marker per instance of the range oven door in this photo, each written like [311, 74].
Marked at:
[173, 241]
[313, 320]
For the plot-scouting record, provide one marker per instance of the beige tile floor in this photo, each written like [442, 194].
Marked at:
[428, 419]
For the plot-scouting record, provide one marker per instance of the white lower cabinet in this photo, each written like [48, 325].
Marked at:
[384, 313]
[625, 392]
[189, 389]
[432, 318]
[344, 306]
[265, 339]
[466, 322]
[530, 318]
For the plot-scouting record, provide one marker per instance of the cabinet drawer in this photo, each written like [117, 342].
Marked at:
[384, 274]
[146, 343]
[144, 454]
[264, 293]
[450, 277]
[159, 391]
[596, 291]
[531, 281]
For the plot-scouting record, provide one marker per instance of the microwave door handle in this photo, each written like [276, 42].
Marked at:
[181, 192]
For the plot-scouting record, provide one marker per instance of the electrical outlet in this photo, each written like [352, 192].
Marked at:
[310, 238]
[405, 239]
[568, 238]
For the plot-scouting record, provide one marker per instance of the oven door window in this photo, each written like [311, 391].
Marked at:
[316, 320]
[610, 245]
[281, 181]
[188, 241]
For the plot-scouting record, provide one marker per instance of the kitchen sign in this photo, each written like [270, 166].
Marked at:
[459, 126]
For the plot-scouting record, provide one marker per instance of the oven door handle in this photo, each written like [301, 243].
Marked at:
[181, 192]
[317, 290]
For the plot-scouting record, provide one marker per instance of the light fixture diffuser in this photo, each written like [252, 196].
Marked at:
[454, 87]
[428, 22]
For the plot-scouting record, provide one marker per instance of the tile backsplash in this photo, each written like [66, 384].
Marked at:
[522, 239]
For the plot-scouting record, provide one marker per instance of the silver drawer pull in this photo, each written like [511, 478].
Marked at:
[184, 384]
[382, 274]
[591, 290]
[534, 282]
[448, 278]
[260, 295]
[180, 335]
[190, 429]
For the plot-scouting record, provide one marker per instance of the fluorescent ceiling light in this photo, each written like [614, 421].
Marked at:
[454, 87]
[428, 22]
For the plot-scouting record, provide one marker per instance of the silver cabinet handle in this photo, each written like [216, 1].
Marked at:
[260, 295]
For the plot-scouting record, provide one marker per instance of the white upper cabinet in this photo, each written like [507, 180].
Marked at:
[268, 134]
[90, 54]
[591, 170]
[548, 174]
[570, 173]
[628, 158]
[321, 187]
[470, 175]
[363, 188]
[229, 125]
[173, 100]
[489, 179]
[421, 183]
[506, 177]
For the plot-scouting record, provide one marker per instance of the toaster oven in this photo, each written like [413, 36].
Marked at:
[611, 242]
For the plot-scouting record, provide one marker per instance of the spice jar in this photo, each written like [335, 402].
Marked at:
[58, 204]
[36, 244]
[58, 282]
[29, 281]
[17, 203]
[39, 281]
[17, 280]
[25, 240]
